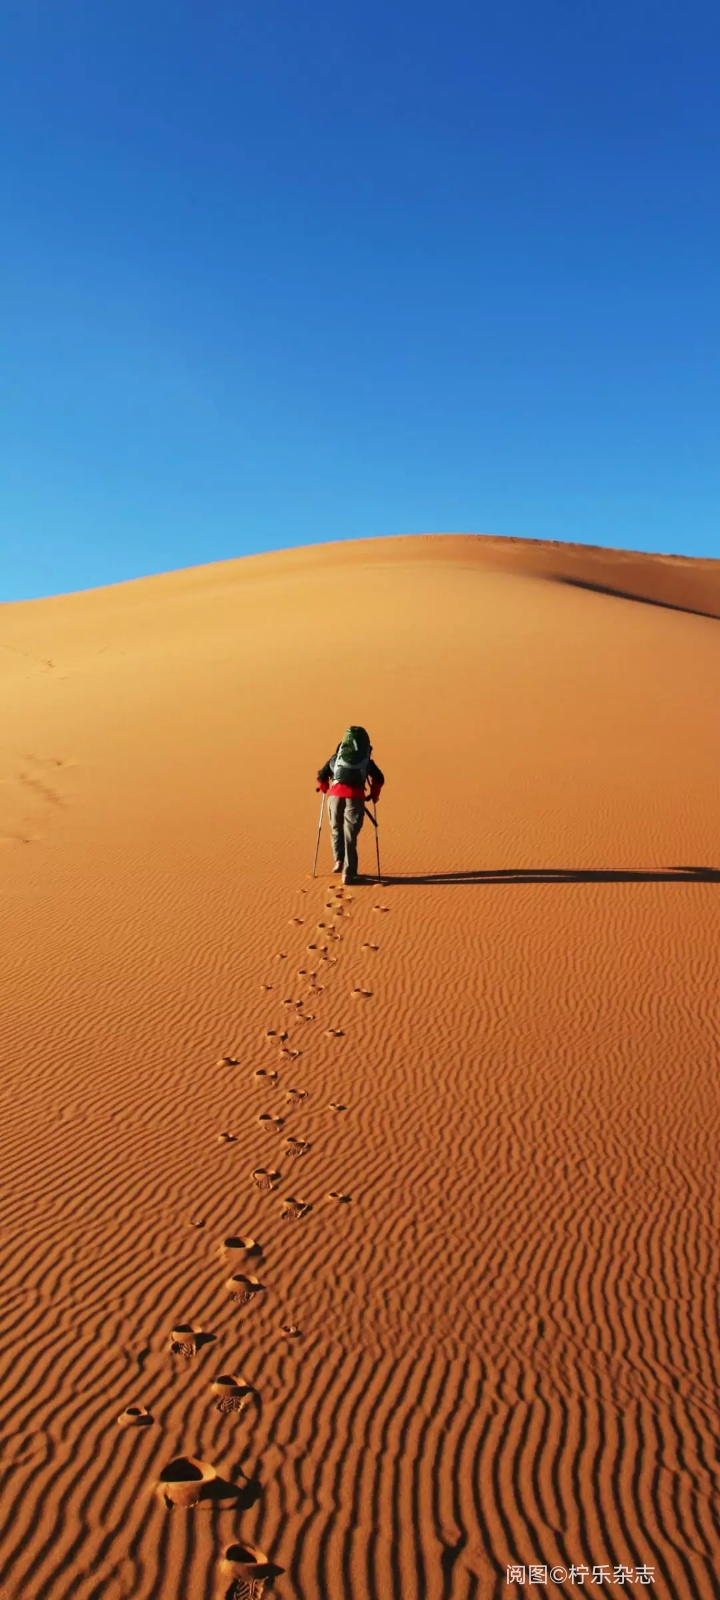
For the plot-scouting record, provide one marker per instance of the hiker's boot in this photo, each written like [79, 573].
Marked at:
[337, 866]
[349, 877]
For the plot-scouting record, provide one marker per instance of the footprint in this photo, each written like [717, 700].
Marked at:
[135, 1417]
[232, 1392]
[242, 1288]
[334, 1194]
[266, 986]
[269, 1122]
[238, 1247]
[228, 1061]
[361, 994]
[296, 1094]
[370, 947]
[249, 1569]
[334, 1033]
[334, 1105]
[290, 1329]
[227, 1138]
[381, 908]
[281, 956]
[265, 1178]
[183, 1481]
[232, 1402]
[306, 1016]
[196, 1222]
[274, 1034]
[184, 1340]
[298, 920]
[293, 1209]
[291, 1055]
[296, 1147]
[271, 1076]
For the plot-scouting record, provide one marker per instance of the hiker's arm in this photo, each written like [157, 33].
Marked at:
[376, 781]
[324, 777]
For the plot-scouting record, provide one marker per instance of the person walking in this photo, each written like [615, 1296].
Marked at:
[343, 779]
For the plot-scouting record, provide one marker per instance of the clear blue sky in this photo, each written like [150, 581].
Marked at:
[276, 273]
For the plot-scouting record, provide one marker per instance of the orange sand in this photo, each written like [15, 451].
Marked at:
[508, 1336]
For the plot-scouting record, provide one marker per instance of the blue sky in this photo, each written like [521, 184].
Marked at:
[274, 274]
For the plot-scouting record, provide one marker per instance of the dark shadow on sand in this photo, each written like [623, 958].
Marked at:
[512, 875]
[641, 599]
[241, 1496]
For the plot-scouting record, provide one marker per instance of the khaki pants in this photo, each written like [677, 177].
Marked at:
[346, 818]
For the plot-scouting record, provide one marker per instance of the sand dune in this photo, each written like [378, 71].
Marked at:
[426, 1173]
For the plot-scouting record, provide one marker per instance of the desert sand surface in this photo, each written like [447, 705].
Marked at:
[505, 1066]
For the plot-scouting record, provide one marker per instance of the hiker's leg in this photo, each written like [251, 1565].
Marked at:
[336, 808]
[354, 818]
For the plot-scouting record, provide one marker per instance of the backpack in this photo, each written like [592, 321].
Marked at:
[352, 758]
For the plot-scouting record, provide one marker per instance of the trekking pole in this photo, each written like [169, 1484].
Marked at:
[317, 845]
[374, 821]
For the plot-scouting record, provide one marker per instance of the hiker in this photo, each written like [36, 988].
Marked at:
[343, 780]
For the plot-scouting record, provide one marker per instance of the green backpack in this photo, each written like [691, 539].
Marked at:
[352, 758]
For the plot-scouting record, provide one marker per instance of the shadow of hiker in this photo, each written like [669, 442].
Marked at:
[512, 875]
